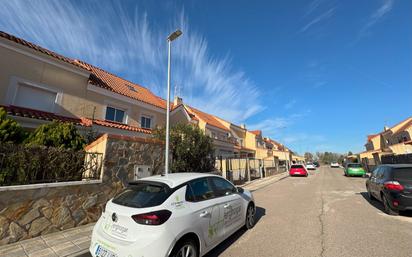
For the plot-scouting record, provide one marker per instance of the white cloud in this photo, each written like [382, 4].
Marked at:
[320, 18]
[129, 43]
[376, 16]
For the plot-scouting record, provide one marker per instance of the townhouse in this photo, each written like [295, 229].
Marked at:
[395, 140]
[38, 86]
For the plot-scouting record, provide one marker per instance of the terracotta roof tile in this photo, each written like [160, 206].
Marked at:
[117, 125]
[39, 115]
[404, 127]
[40, 49]
[47, 116]
[98, 76]
[256, 132]
[106, 80]
[208, 118]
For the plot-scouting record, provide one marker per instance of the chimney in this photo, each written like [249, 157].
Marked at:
[385, 128]
[243, 126]
[177, 101]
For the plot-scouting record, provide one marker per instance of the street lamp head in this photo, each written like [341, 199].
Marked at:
[174, 35]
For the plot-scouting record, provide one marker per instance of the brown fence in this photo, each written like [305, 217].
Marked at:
[241, 170]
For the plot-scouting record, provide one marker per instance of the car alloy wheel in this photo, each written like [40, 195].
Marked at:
[250, 217]
[388, 208]
[185, 249]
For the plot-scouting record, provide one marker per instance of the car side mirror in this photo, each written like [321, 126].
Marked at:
[240, 190]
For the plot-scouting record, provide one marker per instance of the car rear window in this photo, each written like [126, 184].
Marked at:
[402, 174]
[142, 195]
[354, 165]
[296, 167]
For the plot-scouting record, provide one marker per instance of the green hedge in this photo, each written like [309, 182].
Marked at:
[20, 164]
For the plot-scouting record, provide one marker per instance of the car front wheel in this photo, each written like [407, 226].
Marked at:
[186, 248]
[250, 216]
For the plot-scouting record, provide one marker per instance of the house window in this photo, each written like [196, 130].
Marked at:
[35, 98]
[146, 122]
[114, 114]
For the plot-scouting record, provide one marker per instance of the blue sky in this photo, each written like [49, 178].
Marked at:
[317, 75]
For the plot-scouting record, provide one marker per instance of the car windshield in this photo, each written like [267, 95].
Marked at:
[142, 195]
[402, 174]
[354, 165]
[296, 167]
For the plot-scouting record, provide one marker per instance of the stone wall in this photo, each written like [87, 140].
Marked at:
[30, 210]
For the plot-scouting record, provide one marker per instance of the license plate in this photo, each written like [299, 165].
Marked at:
[103, 252]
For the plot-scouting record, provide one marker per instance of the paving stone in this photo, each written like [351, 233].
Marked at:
[65, 249]
[43, 253]
[55, 239]
[33, 245]
[82, 242]
[15, 250]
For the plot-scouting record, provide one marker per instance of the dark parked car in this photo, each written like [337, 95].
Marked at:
[391, 184]
[316, 164]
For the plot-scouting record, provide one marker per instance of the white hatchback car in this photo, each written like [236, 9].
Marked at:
[179, 214]
[310, 166]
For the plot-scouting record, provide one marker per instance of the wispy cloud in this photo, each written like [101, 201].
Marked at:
[273, 126]
[128, 42]
[319, 18]
[377, 15]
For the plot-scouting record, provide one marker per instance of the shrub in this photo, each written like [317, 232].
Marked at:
[57, 134]
[22, 164]
[10, 130]
[190, 148]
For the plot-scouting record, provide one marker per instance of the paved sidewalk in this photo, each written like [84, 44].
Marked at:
[70, 242]
[76, 241]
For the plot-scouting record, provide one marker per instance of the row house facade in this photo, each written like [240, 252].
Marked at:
[395, 140]
[38, 86]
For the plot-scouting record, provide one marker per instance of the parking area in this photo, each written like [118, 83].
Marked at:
[325, 214]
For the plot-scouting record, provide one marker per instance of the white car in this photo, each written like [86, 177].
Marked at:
[334, 165]
[179, 214]
[310, 166]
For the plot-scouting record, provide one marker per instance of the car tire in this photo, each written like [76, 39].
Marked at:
[370, 196]
[250, 216]
[387, 207]
[181, 248]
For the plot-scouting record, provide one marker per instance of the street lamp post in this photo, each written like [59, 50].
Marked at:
[170, 38]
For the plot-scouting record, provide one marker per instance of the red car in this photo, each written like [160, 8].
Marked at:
[298, 170]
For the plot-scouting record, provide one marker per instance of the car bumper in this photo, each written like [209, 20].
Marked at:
[356, 173]
[298, 174]
[404, 202]
[157, 246]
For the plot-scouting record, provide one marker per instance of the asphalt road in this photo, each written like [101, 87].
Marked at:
[325, 214]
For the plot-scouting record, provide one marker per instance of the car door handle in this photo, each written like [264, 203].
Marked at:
[226, 206]
[204, 214]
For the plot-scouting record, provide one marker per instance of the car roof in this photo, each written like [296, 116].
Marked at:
[175, 179]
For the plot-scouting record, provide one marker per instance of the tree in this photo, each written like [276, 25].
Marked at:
[190, 148]
[10, 130]
[57, 134]
[308, 157]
